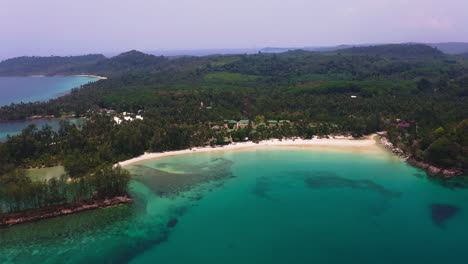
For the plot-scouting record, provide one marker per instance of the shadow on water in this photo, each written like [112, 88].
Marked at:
[318, 180]
[127, 254]
[419, 175]
[441, 213]
[154, 231]
[262, 187]
[458, 182]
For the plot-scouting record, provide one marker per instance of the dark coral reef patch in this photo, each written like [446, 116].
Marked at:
[440, 213]
[317, 180]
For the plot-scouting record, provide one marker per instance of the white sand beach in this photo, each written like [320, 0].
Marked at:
[88, 75]
[338, 144]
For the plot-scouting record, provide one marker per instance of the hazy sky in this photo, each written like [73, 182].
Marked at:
[63, 27]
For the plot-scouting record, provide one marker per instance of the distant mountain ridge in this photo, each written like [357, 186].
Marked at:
[465, 55]
[98, 64]
[314, 48]
[396, 50]
[450, 47]
[445, 47]
[131, 60]
[95, 64]
[24, 66]
[408, 51]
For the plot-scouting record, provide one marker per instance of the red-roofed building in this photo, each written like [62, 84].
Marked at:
[403, 124]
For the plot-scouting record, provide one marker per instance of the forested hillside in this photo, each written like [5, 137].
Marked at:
[406, 51]
[128, 61]
[88, 64]
[414, 92]
[25, 66]
[450, 47]
[464, 55]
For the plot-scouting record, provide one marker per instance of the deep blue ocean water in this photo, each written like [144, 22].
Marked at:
[31, 89]
[11, 128]
[269, 206]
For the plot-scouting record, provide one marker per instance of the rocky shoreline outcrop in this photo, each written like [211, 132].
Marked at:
[433, 170]
[31, 215]
[430, 169]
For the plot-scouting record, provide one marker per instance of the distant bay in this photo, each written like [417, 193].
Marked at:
[12, 128]
[31, 89]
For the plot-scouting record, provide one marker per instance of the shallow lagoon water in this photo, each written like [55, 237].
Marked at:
[270, 206]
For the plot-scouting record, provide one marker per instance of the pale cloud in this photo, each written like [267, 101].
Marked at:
[428, 21]
[72, 27]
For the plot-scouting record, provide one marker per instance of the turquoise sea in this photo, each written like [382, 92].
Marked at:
[269, 206]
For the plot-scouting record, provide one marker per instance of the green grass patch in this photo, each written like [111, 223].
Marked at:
[230, 77]
[366, 88]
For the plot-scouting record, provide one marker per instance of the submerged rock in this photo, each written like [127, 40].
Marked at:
[440, 213]
[172, 223]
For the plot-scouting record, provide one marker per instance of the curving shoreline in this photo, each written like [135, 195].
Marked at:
[430, 169]
[370, 144]
[337, 144]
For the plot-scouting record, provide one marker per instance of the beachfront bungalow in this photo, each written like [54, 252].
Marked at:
[109, 111]
[283, 122]
[231, 124]
[243, 123]
[272, 123]
[403, 124]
